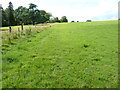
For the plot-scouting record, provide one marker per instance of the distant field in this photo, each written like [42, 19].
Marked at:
[73, 55]
[16, 27]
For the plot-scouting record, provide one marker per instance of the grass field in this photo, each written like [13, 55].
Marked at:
[16, 27]
[73, 55]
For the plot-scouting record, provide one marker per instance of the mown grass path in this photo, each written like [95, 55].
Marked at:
[73, 55]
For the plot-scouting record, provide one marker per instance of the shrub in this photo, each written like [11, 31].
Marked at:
[89, 21]
[72, 21]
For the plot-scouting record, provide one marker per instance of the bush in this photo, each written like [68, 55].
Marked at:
[72, 21]
[89, 21]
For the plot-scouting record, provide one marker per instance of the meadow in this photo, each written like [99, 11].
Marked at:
[66, 55]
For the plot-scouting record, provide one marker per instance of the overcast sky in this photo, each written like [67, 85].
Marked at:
[77, 10]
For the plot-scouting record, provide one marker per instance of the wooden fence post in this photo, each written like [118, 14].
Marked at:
[10, 29]
[18, 29]
[22, 27]
[30, 29]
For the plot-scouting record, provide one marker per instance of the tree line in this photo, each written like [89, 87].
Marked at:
[26, 16]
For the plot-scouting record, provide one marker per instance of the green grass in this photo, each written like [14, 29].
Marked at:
[73, 55]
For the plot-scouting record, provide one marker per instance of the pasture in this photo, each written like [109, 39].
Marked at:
[66, 55]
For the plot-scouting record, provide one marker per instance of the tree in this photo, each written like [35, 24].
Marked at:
[0, 15]
[4, 17]
[37, 16]
[47, 16]
[22, 15]
[72, 21]
[56, 19]
[32, 12]
[51, 20]
[32, 6]
[44, 16]
[64, 19]
[11, 14]
[89, 21]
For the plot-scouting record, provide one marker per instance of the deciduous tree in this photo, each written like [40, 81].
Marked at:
[64, 19]
[11, 14]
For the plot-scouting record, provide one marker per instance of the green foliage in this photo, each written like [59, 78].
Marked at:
[64, 19]
[4, 18]
[32, 13]
[23, 15]
[56, 19]
[32, 6]
[11, 17]
[44, 16]
[67, 55]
